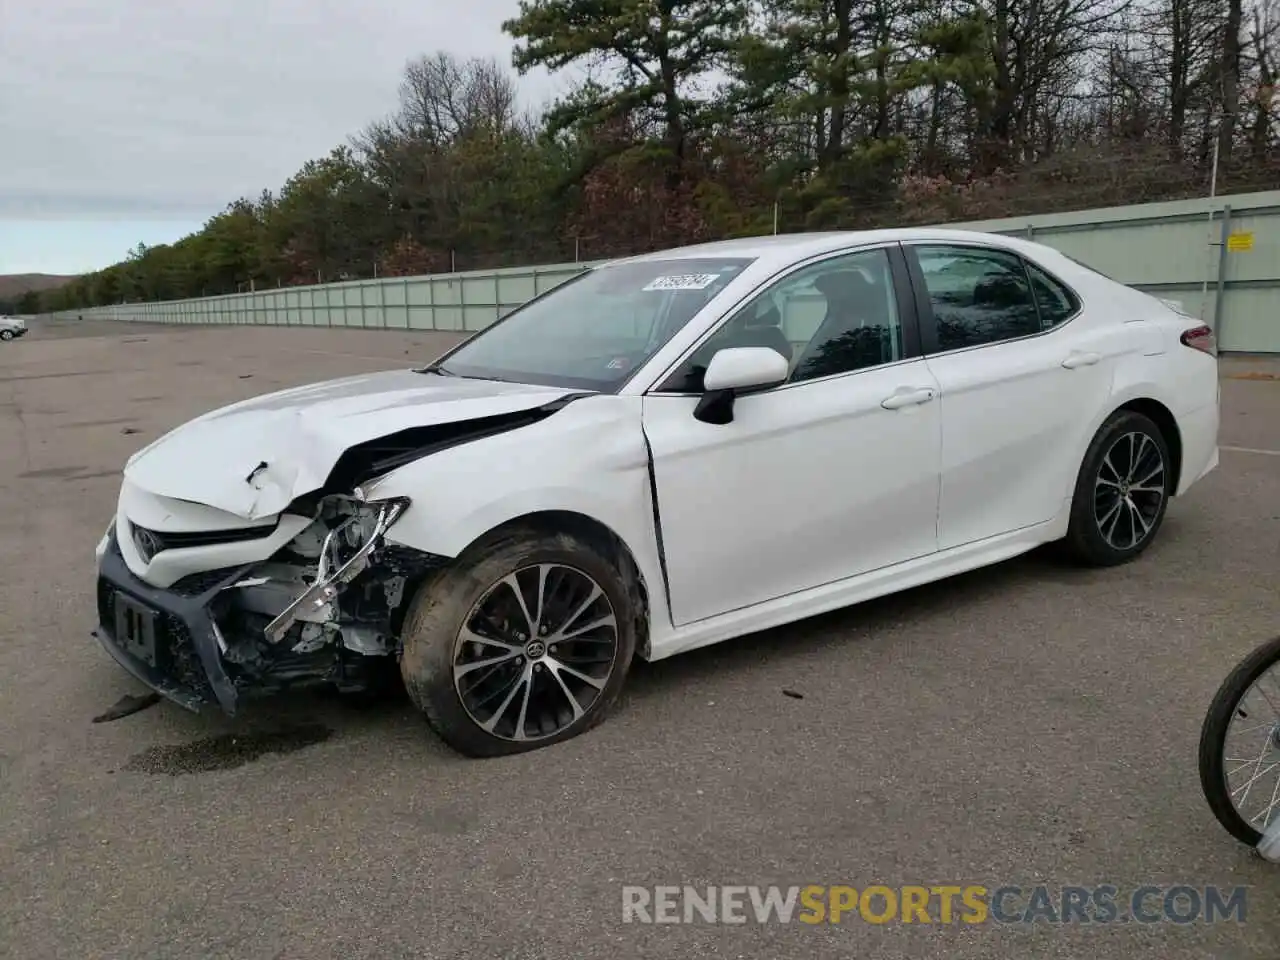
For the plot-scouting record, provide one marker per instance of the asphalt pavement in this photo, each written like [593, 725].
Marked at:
[1029, 724]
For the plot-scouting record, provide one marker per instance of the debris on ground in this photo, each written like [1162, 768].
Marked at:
[127, 706]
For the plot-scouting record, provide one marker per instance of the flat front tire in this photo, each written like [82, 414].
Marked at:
[523, 642]
[1121, 492]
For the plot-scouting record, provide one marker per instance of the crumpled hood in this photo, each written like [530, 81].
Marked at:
[299, 434]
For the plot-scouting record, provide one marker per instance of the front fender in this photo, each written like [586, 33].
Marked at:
[450, 536]
[588, 458]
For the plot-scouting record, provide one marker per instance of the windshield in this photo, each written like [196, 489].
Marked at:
[595, 330]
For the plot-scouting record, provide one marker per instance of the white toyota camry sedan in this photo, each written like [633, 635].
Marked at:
[665, 452]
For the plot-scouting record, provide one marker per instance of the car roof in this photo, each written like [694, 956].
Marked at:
[792, 247]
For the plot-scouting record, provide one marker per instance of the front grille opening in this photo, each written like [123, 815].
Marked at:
[201, 538]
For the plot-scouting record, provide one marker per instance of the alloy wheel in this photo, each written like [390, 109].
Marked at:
[1129, 490]
[535, 652]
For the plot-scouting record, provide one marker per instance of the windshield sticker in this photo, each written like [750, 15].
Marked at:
[619, 363]
[688, 281]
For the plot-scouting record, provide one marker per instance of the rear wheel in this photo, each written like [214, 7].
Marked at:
[523, 642]
[1122, 491]
[1240, 746]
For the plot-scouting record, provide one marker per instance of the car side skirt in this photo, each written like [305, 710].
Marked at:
[854, 590]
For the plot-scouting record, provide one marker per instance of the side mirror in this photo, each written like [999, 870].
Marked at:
[736, 370]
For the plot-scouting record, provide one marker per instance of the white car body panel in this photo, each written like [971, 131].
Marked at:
[589, 459]
[814, 497]
[170, 566]
[1199, 446]
[1176, 380]
[301, 433]
[1013, 419]
[844, 593]
[804, 474]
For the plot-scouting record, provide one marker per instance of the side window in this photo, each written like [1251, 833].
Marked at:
[978, 296]
[1055, 301]
[836, 316]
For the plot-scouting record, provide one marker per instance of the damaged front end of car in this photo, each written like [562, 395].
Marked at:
[325, 608]
[250, 550]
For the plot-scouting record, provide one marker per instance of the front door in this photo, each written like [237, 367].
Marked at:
[832, 474]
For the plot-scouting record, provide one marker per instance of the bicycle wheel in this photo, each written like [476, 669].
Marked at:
[1240, 746]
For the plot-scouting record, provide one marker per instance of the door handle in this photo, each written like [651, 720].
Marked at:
[907, 397]
[1081, 360]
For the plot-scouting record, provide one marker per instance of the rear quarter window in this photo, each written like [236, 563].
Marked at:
[1055, 302]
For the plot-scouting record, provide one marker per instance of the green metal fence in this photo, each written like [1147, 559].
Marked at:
[1219, 257]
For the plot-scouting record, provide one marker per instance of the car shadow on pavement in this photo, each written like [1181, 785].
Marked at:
[1044, 565]
[190, 743]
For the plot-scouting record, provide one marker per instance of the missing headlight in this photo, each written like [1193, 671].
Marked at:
[344, 555]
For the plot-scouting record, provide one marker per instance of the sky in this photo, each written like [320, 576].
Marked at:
[136, 120]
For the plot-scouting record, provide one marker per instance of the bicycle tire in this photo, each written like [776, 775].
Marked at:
[1213, 736]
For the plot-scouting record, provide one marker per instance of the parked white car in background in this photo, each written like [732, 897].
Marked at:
[12, 327]
[665, 452]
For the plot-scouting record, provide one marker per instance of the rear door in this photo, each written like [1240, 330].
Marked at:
[1021, 372]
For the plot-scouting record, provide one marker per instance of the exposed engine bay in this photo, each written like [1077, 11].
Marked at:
[325, 605]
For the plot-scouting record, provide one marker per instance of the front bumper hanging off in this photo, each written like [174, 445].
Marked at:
[167, 639]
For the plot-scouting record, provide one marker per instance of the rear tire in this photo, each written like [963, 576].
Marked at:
[1121, 493]
[1213, 739]
[496, 673]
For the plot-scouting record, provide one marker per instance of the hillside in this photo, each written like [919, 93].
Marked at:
[14, 285]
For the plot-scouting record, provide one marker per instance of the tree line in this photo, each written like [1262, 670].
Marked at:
[703, 119]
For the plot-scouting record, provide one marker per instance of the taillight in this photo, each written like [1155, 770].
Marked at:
[1201, 338]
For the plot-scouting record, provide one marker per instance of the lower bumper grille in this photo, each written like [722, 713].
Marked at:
[195, 584]
[172, 652]
[165, 638]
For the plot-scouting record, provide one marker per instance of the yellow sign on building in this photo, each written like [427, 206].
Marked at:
[1239, 242]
